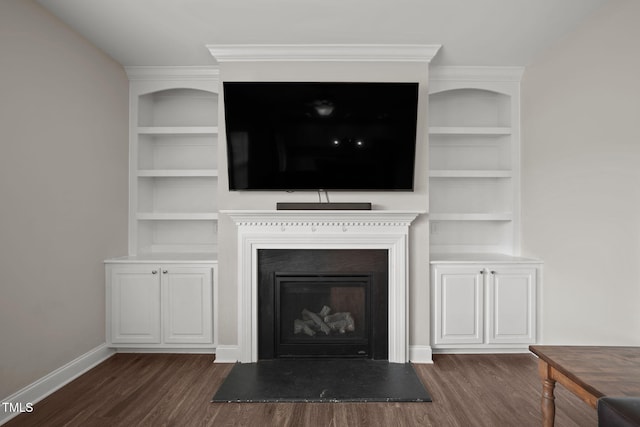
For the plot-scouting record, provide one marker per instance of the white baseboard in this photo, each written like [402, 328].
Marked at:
[227, 354]
[420, 354]
[53, 381]
[165, 350]
[483, 350]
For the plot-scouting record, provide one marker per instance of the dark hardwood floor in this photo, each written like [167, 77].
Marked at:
[175, 390]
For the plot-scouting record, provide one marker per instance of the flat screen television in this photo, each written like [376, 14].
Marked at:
[321, 135]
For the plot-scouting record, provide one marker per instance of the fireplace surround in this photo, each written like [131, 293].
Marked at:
[304, 230]
[323, 303]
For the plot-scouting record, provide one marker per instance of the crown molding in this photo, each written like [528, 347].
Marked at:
[476, 73]
[323, 52]
[172, 73]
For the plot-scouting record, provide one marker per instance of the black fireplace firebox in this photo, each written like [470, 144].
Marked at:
[322, 304]
[322, 315]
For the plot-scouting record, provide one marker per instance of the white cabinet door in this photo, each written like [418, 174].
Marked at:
[187, 302]
[134, 304]
[459, 303]
[511, 305]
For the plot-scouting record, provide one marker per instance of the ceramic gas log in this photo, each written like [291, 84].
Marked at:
[323, 321]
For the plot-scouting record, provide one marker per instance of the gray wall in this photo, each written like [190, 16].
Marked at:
[63, 191]
[581, 179]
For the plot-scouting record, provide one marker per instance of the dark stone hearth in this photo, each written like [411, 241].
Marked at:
[327, 380]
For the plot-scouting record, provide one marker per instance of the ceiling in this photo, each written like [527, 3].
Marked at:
[175, 32]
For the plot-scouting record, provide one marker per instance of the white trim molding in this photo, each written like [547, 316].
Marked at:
[324, 52]
[55, 380]
[147, 73]
[482, 350]
[476, 74]
[163, 350]
[227, 354]
[420, 354]
[322, 230]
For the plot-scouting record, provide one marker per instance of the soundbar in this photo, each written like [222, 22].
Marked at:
[329, 206]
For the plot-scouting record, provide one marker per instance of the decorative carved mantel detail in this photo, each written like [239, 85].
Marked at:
[322, 230]
[321, 221]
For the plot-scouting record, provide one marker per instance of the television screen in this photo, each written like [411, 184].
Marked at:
[320, 136]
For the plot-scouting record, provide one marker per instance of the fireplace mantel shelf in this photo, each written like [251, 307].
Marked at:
[322, 217]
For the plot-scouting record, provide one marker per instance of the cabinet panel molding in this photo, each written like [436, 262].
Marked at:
[459, 305]
[134, 296]
[187, 309]
[512, 302]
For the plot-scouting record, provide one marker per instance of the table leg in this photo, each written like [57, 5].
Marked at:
[548, 398]
[548, 403]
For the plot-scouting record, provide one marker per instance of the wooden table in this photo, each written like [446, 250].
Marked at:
[588, 372]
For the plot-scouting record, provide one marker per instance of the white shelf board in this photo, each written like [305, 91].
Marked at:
[167, 257]
[170, 216]
[462, 248]
[459, 173]
[185, 248]
[178, 130]
[468, 130]
[497, 216]
[177, 172]
[479, 258]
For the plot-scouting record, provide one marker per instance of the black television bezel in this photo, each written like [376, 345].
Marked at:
[410, 188]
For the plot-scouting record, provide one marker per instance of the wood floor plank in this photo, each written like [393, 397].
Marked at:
[175, 390]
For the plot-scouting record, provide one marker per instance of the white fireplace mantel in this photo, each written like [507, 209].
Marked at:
[272, 229]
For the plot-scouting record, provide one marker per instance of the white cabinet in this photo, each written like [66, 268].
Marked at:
[161, 295]
[484, 306]
[163, 305]
[484, 296]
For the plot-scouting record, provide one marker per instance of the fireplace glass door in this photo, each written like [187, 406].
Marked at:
[322, 315]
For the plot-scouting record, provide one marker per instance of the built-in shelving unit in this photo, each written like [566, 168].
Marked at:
[160, 297]
[474, 159]
[484, 294]
[173, 160]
